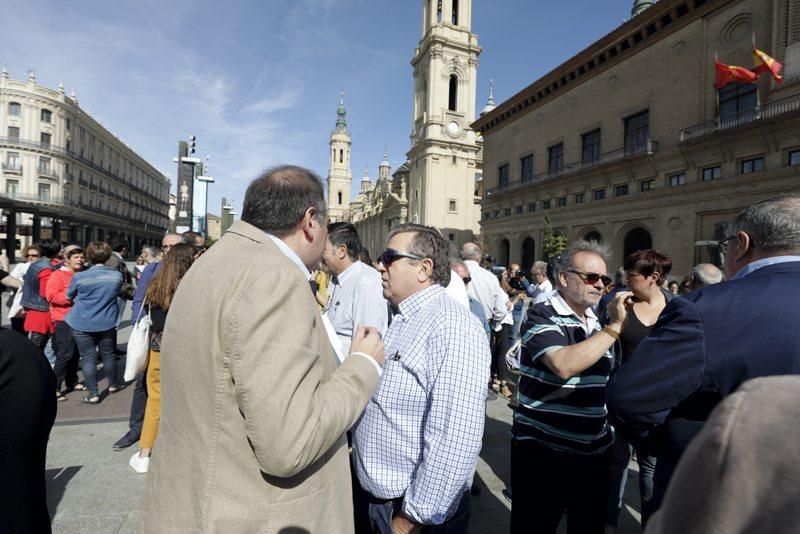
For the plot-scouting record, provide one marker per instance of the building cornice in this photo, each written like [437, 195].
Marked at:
[640, 32]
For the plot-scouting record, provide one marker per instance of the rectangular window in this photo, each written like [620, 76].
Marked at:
[45, 139]
[14, 109]
[12, 163]
[794, 157]
[647, 185]
[47, 115]
[502, 176]
[637, 131]
[69, 124]
[712, 173]
[496, 214]
[738, 101]
[519, 210]
[580, 198]
[507, 212]
[677, 179]
[44, 166]
[453, 205]
[591, 147]
[599, 194]
[13, 132]
[752, 165]
[555, 159]
[531, 207]
[621, 190]
[561, 202]
[44, 192]
[545, 204]
[526, 165]
[487, 215]
[12, 188]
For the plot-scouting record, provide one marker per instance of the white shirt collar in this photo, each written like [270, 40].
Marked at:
[291, 254]
[562, 308]
[351, 272]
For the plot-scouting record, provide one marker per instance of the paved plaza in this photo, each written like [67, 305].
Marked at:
[91, 488]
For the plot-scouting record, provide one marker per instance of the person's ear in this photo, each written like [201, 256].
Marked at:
[425, 270]
[745, 246]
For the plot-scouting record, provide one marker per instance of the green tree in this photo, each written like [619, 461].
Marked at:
[554, 243]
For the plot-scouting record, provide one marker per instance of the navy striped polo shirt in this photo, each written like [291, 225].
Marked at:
[565, 415]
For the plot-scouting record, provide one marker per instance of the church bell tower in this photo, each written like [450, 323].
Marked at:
[339, 175]
[444, 154]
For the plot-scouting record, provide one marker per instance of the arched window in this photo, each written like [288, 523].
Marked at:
[453, 94]
[339, 194]
[637, 239]
[528, 254]
[341, 156]
[455, 13]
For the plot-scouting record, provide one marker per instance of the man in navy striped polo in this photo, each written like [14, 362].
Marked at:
[561, 436]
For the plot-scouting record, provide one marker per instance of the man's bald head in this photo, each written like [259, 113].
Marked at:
[170, 240]
[705, 274]
[471, 251]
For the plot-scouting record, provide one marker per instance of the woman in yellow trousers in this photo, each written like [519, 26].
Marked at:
[157, 300]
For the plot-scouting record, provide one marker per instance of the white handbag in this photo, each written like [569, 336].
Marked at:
[138, 346]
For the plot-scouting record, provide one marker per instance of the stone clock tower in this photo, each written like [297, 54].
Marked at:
[339, 175]
[444, 155]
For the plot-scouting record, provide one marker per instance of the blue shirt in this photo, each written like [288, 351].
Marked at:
[758, 264]
[141, 289]
[94, 294]
[420, 434]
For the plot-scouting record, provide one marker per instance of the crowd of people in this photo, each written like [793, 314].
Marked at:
[313, 390]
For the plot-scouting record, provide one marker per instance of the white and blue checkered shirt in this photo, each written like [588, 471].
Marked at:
[421, 432]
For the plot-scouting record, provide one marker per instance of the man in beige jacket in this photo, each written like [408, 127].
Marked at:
[254, 407]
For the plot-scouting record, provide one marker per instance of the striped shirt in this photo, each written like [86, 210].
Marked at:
[565, 415]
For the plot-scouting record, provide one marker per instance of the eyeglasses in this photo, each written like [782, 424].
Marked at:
[591, 279]
[390, 255]
[723, 245]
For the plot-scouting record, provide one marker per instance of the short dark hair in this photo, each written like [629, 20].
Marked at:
[74, 251]
[276, 201]
[190, 238]
[118, 245]
[343, 233]
[772, 224]
[50, 248]
[98, 252]
[647, 262]
[365, 257]
[428, 243]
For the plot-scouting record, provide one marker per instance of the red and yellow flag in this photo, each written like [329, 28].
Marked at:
[764, 63]
[732, 73]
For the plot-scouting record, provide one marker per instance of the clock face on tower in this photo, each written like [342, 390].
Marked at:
[453, 127]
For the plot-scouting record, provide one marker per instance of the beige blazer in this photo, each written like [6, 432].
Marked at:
[254, 409]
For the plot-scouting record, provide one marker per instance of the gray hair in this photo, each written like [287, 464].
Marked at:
[470, 251]
[706, 274]
[428, 243]
[539, 267]
[564, 262]
[150, 249]
[773, 224]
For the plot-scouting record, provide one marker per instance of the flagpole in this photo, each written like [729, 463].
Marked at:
[758, 96]
[716, 90]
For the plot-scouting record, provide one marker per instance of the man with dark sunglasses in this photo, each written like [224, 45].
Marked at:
[560, 437]
[417, 442]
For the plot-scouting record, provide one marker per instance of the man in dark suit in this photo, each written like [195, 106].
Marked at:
[709, 342]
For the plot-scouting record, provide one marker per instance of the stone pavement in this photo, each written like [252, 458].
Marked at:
[91, 488]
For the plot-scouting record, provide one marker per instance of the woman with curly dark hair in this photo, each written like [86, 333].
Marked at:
[157, 300]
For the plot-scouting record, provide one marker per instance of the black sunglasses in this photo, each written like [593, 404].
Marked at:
[390, 255]
[591, 278]
[723, 244]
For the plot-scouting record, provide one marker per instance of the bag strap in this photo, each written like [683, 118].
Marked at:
[139, 315]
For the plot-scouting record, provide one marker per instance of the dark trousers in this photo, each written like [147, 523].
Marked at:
[18, 325]
[381, 513]
[546, 483]
[87, 343]
[40, 340]
[66, 366]
[500, 345]
[620, 456]
[138, 405]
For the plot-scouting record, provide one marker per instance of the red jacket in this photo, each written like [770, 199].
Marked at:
[56, 294]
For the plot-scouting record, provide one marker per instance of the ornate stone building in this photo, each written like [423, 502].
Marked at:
[629, 143]
[437, 185]
[63, 174]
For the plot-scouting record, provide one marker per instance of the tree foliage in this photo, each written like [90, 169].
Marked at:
[554, 244]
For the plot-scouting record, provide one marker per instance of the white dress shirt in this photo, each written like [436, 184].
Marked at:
[485, 288]
[457, 290]
[355, 297]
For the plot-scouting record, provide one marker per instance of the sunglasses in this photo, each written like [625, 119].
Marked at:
[391, 255]
[591, 279]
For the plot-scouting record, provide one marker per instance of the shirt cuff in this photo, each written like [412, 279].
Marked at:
[371, 360]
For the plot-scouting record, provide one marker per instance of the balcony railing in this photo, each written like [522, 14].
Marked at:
[12, 167]
[648, 148]
[47, 172]
[747, 116]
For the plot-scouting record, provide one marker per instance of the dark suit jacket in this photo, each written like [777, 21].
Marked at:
[702, 348]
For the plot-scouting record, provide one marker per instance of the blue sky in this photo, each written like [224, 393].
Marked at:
[258, 82]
